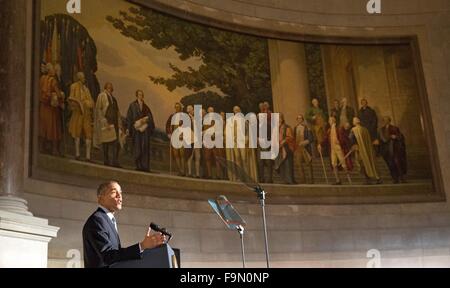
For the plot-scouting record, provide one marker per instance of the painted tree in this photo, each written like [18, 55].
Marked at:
[236, 64]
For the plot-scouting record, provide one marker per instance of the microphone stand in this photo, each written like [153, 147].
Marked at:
[240, 229]
[262, 200]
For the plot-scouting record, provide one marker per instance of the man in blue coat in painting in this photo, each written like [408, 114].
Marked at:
[141, 126]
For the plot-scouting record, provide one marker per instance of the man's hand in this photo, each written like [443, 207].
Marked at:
[104, 122]
[152, 240]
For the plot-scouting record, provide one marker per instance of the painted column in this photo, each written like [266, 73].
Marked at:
[24, 239]
[290, 86]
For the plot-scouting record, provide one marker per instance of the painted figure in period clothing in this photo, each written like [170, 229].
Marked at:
[177, 154]
[51, 106]
[108, 125]
[393, 150]
[140, 127]
[208, 153]
[346, 113]
[265, 164]
[369, 119]
[335, 111]
[284, 164]
[81, 120]
[344, 134]
[304, 139]
[229, 154]
[335, 140]
[219, 153]
[194, 155]
[244, 157]
[317, 119]
[363, 146]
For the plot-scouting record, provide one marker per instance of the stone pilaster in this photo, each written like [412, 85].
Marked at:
[24, 239]
[290, 88]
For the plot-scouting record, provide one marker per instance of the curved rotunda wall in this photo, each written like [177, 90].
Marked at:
[313, 235]
[319, 236]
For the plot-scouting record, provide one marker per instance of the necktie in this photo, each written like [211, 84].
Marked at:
[115, 223]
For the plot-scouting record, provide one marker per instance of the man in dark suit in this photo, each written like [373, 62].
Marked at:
[101, 240]
[141, 126]
[369, 119]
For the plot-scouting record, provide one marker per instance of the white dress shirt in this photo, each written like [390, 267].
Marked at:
[110, 216]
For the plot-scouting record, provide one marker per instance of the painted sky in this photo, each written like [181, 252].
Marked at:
[125, 62]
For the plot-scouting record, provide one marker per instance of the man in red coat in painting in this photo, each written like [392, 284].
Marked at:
[393, 150]
[51, 104]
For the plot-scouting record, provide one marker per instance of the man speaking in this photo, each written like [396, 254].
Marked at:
[101, 242]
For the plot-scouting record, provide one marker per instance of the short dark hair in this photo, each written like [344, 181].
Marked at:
[137, 92]
[104, 186]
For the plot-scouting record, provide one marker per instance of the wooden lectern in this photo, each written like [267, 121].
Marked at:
[162, 257]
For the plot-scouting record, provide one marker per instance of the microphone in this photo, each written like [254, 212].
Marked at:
[163, 231]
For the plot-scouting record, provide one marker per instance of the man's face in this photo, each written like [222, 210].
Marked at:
[82, 78]
[111, 199]
[336, 104]
[300, 120]
[364, 103]
[315, 103]
[110, 88]
[261, 107]
[356, 121]
[140, 96]
[344, 102]
[178, 108]
[236, 110]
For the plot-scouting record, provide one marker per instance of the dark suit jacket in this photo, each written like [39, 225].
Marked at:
[101, 243]
[134, 114]
[112, 113]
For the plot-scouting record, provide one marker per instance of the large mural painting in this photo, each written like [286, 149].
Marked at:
[112, 78]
